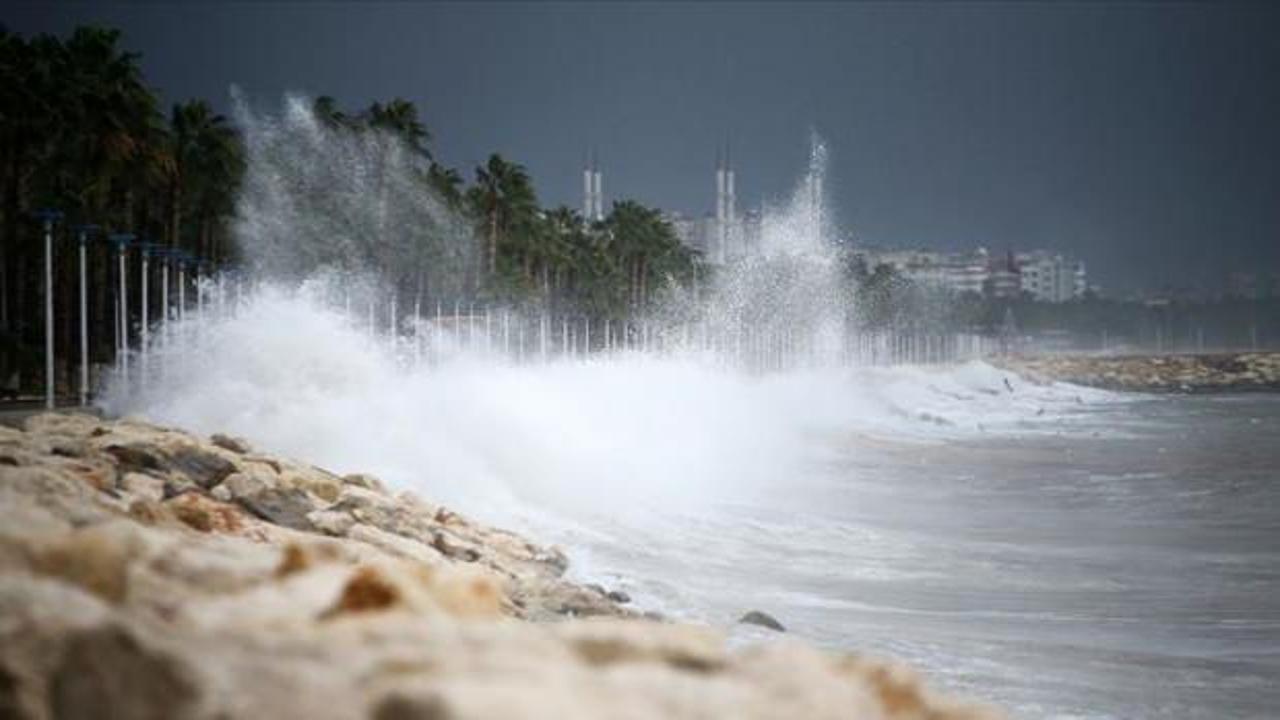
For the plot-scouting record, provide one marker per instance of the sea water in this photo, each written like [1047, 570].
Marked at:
[1062, 551]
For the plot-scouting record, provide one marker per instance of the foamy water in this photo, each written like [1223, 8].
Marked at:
[1067, 552]
[1061, 551]
[608, 433]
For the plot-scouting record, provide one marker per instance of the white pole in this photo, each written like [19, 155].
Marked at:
[520, 341]
[84, 325]
[124, 312]
[164, 295]
[488, 329]
[506, 334]
[48, 312]
[115, 318]
[438, 330]
[182, 291]
[142, 346]
[393, 325]
[471, 327]
[542, 336]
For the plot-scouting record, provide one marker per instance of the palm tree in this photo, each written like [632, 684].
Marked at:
[400, 117]
[647, 248]
[447, 182]
[206, 162]
[503, 199]
[325, 109]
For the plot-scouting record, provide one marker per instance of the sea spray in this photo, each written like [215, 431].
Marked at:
[307, 357]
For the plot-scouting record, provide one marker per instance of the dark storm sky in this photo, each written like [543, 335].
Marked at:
[1144, 138]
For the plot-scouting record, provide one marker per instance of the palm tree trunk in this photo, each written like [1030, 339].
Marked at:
[493, 244]
[175, 211]
[644, 281]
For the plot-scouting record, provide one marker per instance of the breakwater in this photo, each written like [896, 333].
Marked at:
[146, 572]
[1207, 372]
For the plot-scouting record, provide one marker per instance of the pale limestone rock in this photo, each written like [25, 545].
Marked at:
[249, 482]
[363, 480]
[331, 522]
[396, 545]
[191, 606]
[143, 487]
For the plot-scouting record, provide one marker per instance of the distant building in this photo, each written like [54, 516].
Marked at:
[1003, 278]
[592, 191]
[1045, 276]
[959, 272]
[1050, 277]
[723, 235]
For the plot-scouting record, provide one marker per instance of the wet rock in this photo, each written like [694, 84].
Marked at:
[288, 508]
[618, 596]
[763, 619]
[237, 445]
[206, 469]
[137, 457]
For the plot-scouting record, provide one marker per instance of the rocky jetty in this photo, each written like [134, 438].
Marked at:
[1215, 372]
[148, 573]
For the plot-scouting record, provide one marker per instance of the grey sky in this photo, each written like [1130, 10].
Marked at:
[1145, 138]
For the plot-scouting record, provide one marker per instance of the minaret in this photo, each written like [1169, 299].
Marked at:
[592, 190]
[730, 196]
[588, 191]
[597, 192]
[730, 201]
[721, 206]
[720, 181]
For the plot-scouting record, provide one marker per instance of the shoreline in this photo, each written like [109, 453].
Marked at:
[147, 572]
[1189, 373]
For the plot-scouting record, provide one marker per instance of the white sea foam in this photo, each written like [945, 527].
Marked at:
[608, 435]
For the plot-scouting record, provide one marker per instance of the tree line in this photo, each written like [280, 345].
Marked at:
[82, 132]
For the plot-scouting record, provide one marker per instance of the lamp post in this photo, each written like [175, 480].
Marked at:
[166, 259]
[121, 241]
[143, 303]
[48, 218]
[199, 271]
[184, 259]
[83, 232]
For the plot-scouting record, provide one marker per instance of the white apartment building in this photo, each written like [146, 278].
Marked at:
[958, 272]
[1046, 276]
[1051, 278]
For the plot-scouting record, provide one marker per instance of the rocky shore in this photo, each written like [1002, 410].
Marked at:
[149, 573]
[1215, 372]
